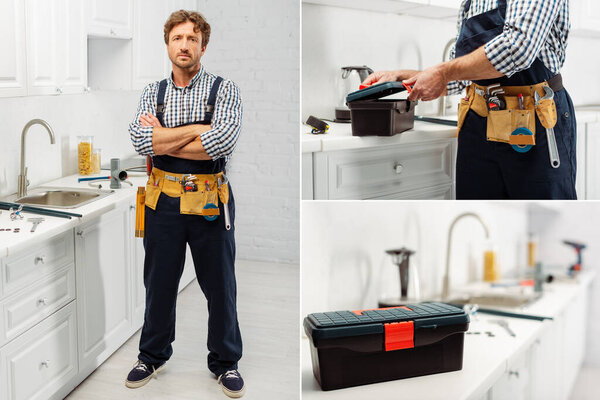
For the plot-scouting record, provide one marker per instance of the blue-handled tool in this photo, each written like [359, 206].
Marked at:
[95, 178]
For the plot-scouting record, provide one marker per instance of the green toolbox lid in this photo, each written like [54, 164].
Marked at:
[376, 91]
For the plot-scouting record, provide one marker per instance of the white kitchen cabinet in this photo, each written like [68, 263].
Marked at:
[13, 69]
[592, 170]
[585, 17]
[514, 383]
[110, 18]
[138, 292]
[56, 47]
[102, 254]
[41, 361]
[398, 171]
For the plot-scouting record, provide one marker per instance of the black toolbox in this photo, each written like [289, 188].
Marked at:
[371, 116]
[351, 348]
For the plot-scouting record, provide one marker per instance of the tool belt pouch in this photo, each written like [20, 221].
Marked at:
[546, 112]
[199, 203]
[153, 189]
[463, 110]
[502, 123]
[224, 193]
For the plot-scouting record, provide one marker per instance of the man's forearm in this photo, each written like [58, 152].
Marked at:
[168, 140]
[470, 67]
[191, 151]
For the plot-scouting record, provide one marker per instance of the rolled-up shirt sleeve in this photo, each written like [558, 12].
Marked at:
[526, 28]
[221, 139]
[141, 136]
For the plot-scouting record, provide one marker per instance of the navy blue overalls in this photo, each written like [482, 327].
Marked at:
[213, 253]
[493, 170]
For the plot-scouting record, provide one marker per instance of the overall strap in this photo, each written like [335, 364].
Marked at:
[160, 101]
[212, 98]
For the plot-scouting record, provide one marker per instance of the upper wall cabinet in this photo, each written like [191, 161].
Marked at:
[110, 18]
[56, 47]
[585, 17]
[13, 71]
[150, 59]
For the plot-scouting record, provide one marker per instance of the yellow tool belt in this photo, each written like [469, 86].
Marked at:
[502, 123]
[193, 203]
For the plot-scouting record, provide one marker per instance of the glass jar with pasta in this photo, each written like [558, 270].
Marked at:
[84, 155]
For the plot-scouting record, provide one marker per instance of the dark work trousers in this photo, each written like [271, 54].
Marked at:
[491, 170]
[213, 252]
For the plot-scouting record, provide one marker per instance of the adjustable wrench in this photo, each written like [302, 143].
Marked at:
[551, 139]
[225, 205]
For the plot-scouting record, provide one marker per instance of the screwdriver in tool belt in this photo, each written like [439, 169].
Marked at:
[520, 97]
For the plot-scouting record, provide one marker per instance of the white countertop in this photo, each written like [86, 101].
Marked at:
[11, 242]
[485, 358]
[340, 137]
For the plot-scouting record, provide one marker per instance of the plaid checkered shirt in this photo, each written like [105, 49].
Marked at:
[187, 105]
[533, 28]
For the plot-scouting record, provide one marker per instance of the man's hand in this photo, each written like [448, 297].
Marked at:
[149, 120]
[428, 84]
[389, 76]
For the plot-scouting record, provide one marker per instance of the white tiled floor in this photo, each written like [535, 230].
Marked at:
[268, 311]
[586, 385]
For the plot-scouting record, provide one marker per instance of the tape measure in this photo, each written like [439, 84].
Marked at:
[522, 148]
[210, 217]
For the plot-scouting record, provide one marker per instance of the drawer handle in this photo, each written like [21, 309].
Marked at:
[80, 233]
[45, 363]
[398, 168]
[514, 373]
[43, 302]
[40, 259]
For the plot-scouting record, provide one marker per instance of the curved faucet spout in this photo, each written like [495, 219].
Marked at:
[446, 286]
[23, 182]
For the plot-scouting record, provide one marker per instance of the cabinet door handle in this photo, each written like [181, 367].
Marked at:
[112, 32]
[132, 207]
[59, 90]
[43, 301]
[398, 168]
[80, 234]
[45, 363]
[514, 373]
[40, 259]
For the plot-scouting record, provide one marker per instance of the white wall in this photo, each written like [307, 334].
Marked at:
[577, 222]
[344, 265]
[333, 37]
[257, 47]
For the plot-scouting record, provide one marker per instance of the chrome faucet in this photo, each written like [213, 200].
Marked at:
[446, 286]
[23, 181]
[445, 57]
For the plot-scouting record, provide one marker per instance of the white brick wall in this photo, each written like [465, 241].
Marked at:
[256, 44]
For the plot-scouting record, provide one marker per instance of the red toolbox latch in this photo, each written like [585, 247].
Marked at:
[399, 335]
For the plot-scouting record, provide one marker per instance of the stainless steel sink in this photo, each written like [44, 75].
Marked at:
[53, 197]
[499, 300]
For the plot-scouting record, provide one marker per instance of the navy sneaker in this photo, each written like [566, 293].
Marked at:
[142, 373]
[232, 383]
